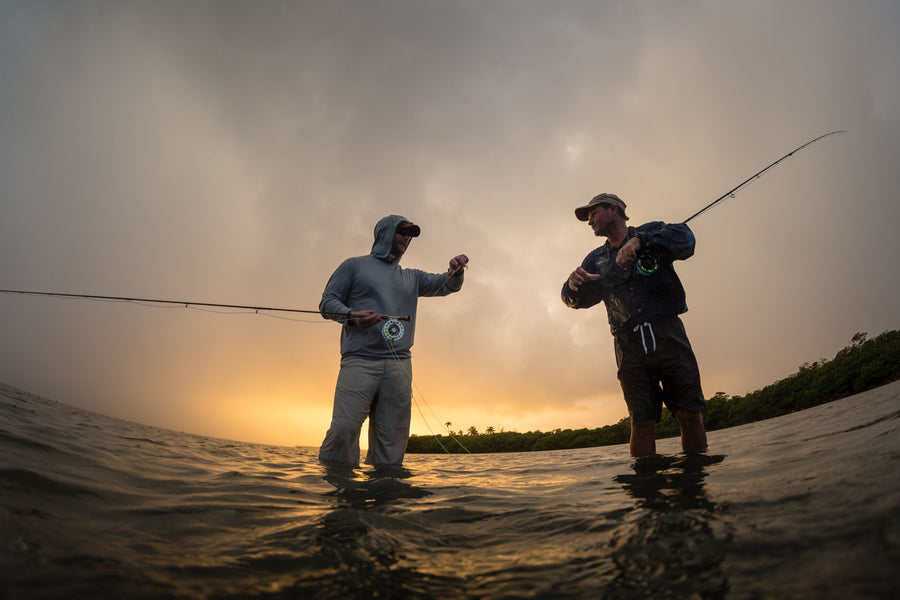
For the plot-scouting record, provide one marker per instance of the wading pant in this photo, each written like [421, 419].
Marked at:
[380, 390]
[657, 365]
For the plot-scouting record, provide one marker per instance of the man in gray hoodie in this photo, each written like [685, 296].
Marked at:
[375, 379]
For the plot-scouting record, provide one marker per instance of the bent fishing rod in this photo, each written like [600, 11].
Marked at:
[730, 193]
[647, 264]
[188, 304]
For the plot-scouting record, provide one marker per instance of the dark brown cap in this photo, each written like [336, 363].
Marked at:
[582, 212]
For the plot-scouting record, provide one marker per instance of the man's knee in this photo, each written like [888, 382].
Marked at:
[689, 419]
[643, 427]
[341, 444]
[345, 431]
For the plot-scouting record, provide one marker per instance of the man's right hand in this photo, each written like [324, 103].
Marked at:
[579, 276]
[364, 318]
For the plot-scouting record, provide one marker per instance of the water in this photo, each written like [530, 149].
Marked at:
[803, 506]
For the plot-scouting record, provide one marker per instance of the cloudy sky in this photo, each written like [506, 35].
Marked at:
[237, 152]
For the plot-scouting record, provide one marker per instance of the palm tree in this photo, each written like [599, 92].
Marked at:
[489, 430]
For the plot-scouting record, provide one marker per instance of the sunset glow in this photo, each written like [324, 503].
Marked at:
[238, 152]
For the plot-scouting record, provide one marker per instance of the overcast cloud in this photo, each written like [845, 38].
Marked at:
[237, 152]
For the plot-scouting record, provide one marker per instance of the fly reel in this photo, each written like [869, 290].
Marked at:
[646, 264]
[392, 330]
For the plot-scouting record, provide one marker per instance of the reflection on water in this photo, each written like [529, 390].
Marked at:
[360, 540]
[665, 545]
[370, 489]
[669, 482]
[668, 547]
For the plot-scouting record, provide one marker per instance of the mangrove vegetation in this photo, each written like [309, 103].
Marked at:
[862, 365]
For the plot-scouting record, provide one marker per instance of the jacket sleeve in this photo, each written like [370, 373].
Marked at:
[439, 284]
[667, 241]
[590, 293]
[572, 298]
[333, 304]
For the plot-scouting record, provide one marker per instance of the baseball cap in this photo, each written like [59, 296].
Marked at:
[410, 229]
[582, 212]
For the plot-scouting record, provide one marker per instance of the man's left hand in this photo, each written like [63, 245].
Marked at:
[457, 263]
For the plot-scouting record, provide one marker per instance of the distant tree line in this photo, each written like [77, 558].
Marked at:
[864, 364]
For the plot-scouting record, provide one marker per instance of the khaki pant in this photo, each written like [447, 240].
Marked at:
[380, 390]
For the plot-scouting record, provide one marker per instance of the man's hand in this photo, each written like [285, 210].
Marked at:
[628, 253]
[457, 263]
[364, 318]
[579, 276]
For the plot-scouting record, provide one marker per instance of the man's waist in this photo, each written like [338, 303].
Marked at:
[629, 326]
[353, 356]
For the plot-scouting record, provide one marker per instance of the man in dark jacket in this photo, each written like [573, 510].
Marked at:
[376, 372]
[632, 273]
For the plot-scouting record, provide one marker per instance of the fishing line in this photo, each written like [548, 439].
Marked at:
[390, 334]
[731, 193]
[154, 303]
[647, 264]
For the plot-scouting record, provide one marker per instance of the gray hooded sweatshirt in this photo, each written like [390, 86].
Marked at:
[378, 282]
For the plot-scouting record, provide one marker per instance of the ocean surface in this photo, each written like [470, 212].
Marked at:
[802, 506]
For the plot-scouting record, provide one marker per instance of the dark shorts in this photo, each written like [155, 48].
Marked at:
[656, 366]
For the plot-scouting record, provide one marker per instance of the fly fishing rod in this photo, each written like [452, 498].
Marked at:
[731, 193]
[647, 264]
[189, 304]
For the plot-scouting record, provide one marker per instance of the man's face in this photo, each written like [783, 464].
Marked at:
[601, 218]
[401, 243]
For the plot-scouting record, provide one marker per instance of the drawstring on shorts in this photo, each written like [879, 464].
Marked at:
[643, 337]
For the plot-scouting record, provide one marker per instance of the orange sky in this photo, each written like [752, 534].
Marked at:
[238, 152]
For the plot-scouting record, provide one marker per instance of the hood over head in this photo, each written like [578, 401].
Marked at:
[384, 235]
